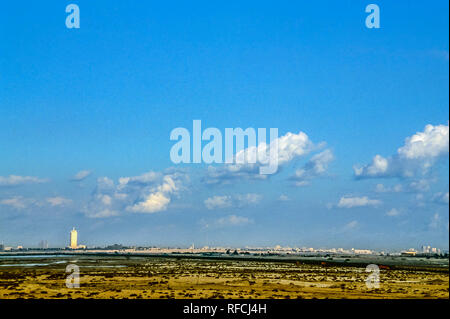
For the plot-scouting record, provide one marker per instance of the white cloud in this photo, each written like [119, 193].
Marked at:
[120, 196]
[378, 167]
[17, 202]
[393, 212]
[445, 198]
[233, 220]
[315, 167]
[105, 183]
[290, 147]
[351, 202]
[218, 202]
[58, 201]
[153, 203]
[419, 198]
[159, 197]
[104, 213]
[105, 199]
[151, 192]
[410, 185]
[351, 225]
[15, 180]
[421, 185]
[431, 143]
[237, 201]
[146, 178]
[416, 156]
[441, 198]
[20, 202]
[248, 199]
[283, 198]
[81, 175]
[380, 188]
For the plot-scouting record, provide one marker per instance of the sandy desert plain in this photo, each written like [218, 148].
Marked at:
[106, 277]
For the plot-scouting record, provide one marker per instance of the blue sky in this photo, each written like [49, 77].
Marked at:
[104, 98]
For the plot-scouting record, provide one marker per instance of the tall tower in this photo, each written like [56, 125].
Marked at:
[73, 238]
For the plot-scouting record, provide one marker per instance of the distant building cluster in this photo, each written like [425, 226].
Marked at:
[425, 251]
[43, 244]
[8, 248]
[430, 250]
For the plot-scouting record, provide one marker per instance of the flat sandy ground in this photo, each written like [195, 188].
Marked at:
[135, 277]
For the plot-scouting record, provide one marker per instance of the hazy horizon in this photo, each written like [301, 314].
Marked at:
[362, 117]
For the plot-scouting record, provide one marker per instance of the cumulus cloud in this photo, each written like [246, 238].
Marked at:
[104, 213]
[411, 186]
[233, 220]
[248, 199]
[157, 199]
[81, 175]
[441, 198]
[235, 201]
[105, 184]
[58, 201]
[15, 180]
[431, 143]
[104, 201]
[421, 185]
[283, 198]
[378, 168]
[380, 188]
[290, 147]
[351, 202]
[218, 202]
[227, 221]
[151, 192]
[393, 212]
[416, 156]
[20, 202]
[351, 225]
[230, 173]
[154, 202]
[315, 167]
[17, 202]
[144, 179]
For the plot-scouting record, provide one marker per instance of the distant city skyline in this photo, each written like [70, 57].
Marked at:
[427, 250]
[362, 117]
[73, 244]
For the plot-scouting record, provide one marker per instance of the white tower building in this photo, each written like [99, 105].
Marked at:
[73, 239]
